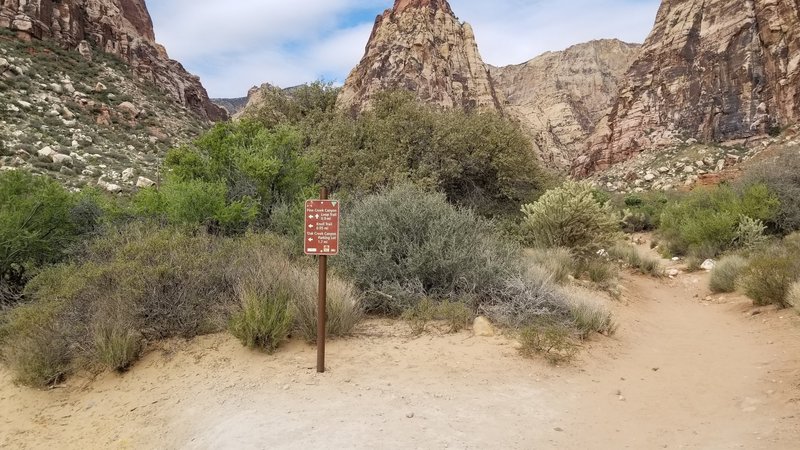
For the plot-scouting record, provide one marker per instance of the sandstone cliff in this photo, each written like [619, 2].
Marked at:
[120, 27]
[559, 97]
[421, 46]
[711, 70]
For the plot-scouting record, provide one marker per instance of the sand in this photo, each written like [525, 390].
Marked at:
[684, 371]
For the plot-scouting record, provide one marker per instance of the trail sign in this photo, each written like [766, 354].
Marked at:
[322, 228]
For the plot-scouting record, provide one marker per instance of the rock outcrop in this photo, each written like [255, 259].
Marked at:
[120, 27]
[421, 46]
[559, 97]
[711, 70]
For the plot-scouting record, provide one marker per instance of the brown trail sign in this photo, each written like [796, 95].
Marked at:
[322, 239]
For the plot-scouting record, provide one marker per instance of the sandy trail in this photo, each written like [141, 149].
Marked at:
[682, 372]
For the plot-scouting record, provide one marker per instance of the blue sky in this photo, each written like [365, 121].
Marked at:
[236, 44]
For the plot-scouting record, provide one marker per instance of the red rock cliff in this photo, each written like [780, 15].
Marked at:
[120, 27]
[713, 70]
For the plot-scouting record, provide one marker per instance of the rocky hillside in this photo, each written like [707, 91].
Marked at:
[559, 97]
[82, 118]
[122, 28]
[231, 105]
[420, 45]
[711, 70]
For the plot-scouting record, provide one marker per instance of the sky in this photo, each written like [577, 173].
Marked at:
[236, 44]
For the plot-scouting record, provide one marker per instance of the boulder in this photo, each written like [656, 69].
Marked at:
[708, 264]
[46, 152]
[110, 187]
[58, 158]
[143, 182]
[128, 108]
[100, 87]
[482, 327]
[127, 174]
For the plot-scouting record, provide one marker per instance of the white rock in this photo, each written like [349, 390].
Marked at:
[58, 158]
[68, 87]
[127, 174]
[57, 88]
[100, 87]
[708, 264]
[45, 152]
[673, 273]
[663, 169]
[649, 177]
[143, 182]
[24, 104]
[688, 169]
[110, 187]
[482, 327]
[12, 108]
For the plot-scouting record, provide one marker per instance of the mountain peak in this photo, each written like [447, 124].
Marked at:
[402, 5]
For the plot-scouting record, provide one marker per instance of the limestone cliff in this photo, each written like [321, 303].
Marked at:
[421, 46]
[711, 70]
[120, 27]
[559, 97]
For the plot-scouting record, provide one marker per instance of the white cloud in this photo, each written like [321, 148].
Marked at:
[235, 44]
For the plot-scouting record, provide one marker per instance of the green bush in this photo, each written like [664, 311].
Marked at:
[597, 270]
[726, 273]
[771, 272]
[559, 262]
[641, 212]
[404, 244]
[571, 217]
[478, 160]
[782, 177]
[455, 315]
[40, 221]
[265, 319]
[705, 222]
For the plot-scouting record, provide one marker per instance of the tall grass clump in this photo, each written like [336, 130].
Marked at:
[558, 262]
[793, 299]
[265, 318]
[633, 258]
[344, 309]
[726, 273]
[591, 317]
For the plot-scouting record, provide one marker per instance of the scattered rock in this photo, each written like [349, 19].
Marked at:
[127, 174]
[58, 158]
[649, 177]
[110, 187]
[673, 273]
[708, 264]
[100, 87]
[410, 415]
[129, 108]
[482, 327]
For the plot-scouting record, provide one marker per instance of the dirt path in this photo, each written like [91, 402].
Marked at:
[682, 372]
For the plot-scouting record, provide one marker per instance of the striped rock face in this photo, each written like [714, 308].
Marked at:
[711, 70]
[420, 46]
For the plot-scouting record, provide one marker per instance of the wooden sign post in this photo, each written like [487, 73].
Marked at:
[322, 240]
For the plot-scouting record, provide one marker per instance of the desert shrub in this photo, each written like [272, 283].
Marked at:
[524, 299]
[749, 233]
[405, 244]
[591, 317]
[631, 257]
[726, 273]
[456, 315]
[40, 221]
[138, 284]
[793, 299]
[558, 262]
[782, 177]
[571, 217]
[641, 212]
[265, 318]
[343, 311]
[704, 223]
[771, 272]
[478, 160]
[552, 340]
[418, 316]
[237, 173]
